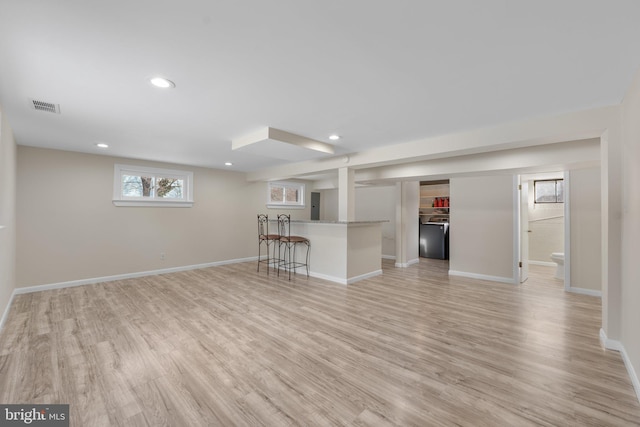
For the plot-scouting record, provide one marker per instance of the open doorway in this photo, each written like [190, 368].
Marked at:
[544, 227]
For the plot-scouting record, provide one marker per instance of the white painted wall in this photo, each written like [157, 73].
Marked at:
[7, 214]
[371, 203]
[481, 236]
[586, 243]
[375, 203]
[329, 205]
[79, 234]
[630, 304]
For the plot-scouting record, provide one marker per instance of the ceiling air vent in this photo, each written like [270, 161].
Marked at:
[45, 106]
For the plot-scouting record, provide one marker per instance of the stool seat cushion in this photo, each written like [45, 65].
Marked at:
[270, 237]
[294, 239]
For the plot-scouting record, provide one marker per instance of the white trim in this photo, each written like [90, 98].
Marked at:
[388, 257]
[545, 263]
[408, 263]
[567, 231]
[329, 278]
[618, 346]
[95, 280]
[301, 187]
[7, 309]
[283, 206]
[584, 291]
[509, 280]
[363, 276]
[517, 229]
[342, 281]
[120, 200]
[153, 203]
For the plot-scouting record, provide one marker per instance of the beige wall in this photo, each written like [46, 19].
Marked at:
[630, 305]
[481, 236]
[69, 229]
[375, 203]
[586, 239]
[7, 213]
[329, 205]
[372, 203]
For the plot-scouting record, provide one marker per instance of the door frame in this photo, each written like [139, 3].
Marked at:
[518, 229]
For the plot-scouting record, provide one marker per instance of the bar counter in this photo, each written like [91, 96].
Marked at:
[342, 251]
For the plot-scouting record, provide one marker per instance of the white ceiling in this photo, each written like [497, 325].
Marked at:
[375, 72]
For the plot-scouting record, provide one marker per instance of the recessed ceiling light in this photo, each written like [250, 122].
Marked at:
[162, 83]
[228, 164]
[102, 145]
[334, 137]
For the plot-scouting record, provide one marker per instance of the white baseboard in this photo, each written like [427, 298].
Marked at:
[342, 281]
[6, 309]
[583, 291]
[354, 279]
[94, 280]
[545, 263]
[388, 257]
[408, 263]
[617, 346]
[482, 277]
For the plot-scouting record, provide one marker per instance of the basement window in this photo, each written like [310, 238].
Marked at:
[549, 191]
[285, 195]
[143, 186]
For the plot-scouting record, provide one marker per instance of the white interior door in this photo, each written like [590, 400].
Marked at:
[524, 230]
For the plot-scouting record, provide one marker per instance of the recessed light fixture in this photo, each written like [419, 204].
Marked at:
[228, 164]
[102, 145]
[334, 137]
[162, 83]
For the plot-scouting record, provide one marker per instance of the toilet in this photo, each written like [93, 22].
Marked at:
[558, 258]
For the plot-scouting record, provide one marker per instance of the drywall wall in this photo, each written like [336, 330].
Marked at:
[68, 228]
[481, 236]
[630, 304]
[329, 204]
[372, 203]
[376, 203]
[586, 239]
[7, 213]
[546, 223]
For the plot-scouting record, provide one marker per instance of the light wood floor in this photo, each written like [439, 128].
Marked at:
[228, 346]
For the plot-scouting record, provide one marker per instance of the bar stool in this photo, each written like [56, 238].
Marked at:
[287, 258]
[268, 240]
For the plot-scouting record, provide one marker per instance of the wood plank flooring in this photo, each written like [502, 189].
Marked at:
[229, 346]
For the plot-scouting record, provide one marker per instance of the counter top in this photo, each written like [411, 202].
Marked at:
[315, 221]
[309, 221]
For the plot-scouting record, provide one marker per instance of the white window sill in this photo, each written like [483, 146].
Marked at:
[154, 203]
[285, 206]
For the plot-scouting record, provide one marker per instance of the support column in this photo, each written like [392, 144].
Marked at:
[346, 194]
[611, 196]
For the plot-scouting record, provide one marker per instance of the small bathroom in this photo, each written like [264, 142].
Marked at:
[546, 224]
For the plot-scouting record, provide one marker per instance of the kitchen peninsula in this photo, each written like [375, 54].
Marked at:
[342, 251]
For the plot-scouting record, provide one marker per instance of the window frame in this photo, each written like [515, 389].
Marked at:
[287, 205]
[187, 190]
[535, 191]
